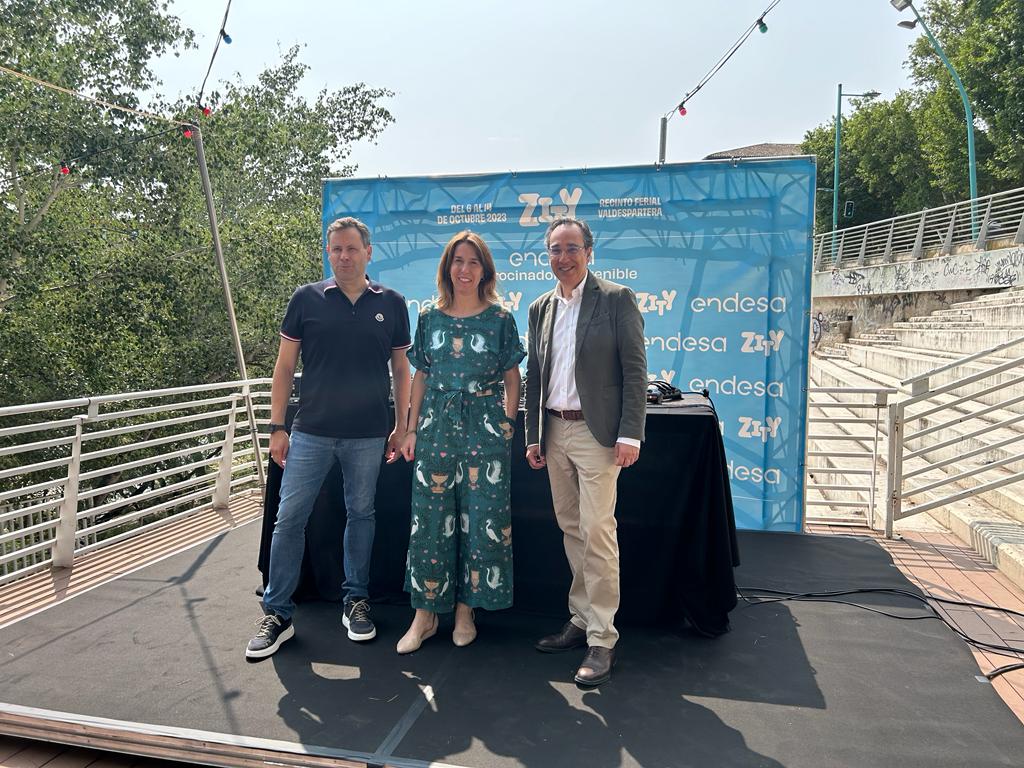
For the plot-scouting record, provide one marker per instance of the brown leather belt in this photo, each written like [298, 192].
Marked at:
[567, 415]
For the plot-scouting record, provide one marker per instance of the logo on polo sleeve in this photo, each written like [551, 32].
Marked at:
[379, 317]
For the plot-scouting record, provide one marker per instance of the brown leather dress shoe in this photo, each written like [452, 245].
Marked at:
[597, 666]
[568, 638]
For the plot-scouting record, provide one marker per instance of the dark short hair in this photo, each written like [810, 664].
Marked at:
[349, 222]
[588, 236]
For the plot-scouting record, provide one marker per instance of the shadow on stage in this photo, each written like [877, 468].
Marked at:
[159, 654]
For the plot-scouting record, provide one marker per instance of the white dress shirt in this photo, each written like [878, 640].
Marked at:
[562, 394]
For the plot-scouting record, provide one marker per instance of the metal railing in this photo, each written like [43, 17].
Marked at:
[77, 475]
[973, 417]
[989, 220]
[843, 448]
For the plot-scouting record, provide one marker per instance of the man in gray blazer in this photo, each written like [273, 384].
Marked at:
[585, 409]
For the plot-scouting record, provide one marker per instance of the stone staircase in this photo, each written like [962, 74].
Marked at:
[978, 425]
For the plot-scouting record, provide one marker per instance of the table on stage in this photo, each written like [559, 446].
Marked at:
[677, 534]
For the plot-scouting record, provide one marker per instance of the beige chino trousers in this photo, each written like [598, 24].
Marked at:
[583, 478]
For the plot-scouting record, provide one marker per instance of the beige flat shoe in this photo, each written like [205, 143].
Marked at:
[411, 641]
[463, 637]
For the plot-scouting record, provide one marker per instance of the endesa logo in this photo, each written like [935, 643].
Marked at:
[741, 387]
[680, 343]
[539, 210]
[737, 304]
[757, 475]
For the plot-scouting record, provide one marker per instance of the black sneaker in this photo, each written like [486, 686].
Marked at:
[273, 631]
[357, 621]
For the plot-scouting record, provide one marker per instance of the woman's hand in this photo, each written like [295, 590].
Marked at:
[408, 446]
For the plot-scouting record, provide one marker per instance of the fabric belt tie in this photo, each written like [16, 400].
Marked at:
[566, 415]
[455, 402]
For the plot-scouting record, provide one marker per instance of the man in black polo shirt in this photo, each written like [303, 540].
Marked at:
[347, 328]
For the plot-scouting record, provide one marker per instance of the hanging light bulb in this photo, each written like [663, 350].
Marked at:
[225, 37]
[682, 110]
[206, 110]
[187, 133]
[761, 26]
[64, 170]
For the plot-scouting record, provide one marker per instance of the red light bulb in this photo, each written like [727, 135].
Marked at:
[187, 133]
[64, 169]
[682, 111]
[206, 111]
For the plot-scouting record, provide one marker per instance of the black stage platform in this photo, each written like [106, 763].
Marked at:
[677, 535]
[793, 684]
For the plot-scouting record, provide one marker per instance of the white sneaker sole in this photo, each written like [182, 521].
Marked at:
[270, 650]
[355, 635]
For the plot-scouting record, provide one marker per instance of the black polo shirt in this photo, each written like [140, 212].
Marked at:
[345, 353]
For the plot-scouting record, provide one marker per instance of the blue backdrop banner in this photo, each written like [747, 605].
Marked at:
[717, 252]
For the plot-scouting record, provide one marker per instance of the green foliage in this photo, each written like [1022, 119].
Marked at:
[107, 276]
[910, 152]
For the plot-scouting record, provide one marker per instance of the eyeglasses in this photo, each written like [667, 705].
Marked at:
[569, 250]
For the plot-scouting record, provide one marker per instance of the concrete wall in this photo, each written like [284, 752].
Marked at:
[835, 318]
[848, 302]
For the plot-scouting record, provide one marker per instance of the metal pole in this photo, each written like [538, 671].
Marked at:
[229, 303]
[67, 526]
[971, 166]
[835, 172]
[662, 139]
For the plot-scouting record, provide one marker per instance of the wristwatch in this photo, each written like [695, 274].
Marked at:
[276, 428]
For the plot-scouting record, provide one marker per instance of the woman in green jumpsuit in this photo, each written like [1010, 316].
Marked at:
[466, 351]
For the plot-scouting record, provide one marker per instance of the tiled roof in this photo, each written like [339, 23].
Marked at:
[757, 150]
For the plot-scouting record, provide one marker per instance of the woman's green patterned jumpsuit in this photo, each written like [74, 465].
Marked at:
[460, 543]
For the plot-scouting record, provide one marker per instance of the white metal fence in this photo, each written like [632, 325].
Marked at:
[994, 219]
[844, 444]
[76, 475]
[958, 434]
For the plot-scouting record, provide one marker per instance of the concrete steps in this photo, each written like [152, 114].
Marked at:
[981, 430]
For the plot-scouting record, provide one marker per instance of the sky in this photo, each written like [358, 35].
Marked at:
[484, 86]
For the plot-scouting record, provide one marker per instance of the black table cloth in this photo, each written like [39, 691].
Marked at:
[677, 533]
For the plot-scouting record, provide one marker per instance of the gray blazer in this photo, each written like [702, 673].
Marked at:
[611, 362]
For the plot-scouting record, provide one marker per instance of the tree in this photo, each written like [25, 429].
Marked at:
[884, 138]
[101, 47]
[910, 152]
[108, 281]
[984, 40]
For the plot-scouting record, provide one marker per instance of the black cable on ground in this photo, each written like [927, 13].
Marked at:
[828, 597]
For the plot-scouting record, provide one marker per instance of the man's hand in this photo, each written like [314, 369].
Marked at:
[279, 447]
[626, 455]
[394, 446]
[408, 446]
[535, 458]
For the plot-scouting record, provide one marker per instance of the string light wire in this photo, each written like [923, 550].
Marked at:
[92, 99]
[72, 161]
[221, 35]
[722, 61]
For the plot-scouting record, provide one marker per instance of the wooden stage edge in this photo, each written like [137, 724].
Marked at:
[197, 747]
[44, 590]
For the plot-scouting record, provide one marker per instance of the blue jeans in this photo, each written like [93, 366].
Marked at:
[309, 460]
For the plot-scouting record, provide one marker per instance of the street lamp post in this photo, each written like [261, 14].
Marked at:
[839, 133]
[902, 5]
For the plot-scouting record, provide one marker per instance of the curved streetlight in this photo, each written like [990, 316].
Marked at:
[839, 132]
[902, 5]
